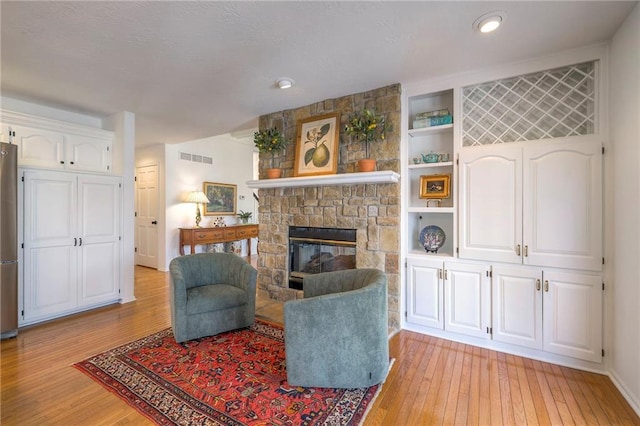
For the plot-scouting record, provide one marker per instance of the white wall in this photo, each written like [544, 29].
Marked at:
[123, 125]
[625, 136]
[233, 163]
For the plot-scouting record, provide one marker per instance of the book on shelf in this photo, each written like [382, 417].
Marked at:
[429, 114]
[433, 121]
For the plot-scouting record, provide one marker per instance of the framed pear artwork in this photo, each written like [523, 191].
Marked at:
[317, 145]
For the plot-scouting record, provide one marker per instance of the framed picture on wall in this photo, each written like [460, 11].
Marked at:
[222, 198]
[435, 186]
[317, 145]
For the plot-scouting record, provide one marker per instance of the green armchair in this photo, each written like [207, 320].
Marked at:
[211, 293]
[337, 336]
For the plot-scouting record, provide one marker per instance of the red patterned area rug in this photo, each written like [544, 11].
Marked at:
[234, 378]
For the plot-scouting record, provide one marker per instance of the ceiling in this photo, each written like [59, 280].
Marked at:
[190, 70]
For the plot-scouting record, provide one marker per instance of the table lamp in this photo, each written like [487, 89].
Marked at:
[197, 197]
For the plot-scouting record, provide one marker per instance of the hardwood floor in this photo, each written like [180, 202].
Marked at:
[432, 381]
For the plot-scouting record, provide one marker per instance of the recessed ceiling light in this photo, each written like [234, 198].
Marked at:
[489, 21]
[284, 83]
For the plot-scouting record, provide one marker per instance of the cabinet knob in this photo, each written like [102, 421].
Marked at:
[154, 222]
[526, 251]
[546, 285]
[62, 162]
[538, 284]
[518, 250]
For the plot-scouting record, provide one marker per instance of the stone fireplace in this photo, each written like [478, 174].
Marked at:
[372, 210]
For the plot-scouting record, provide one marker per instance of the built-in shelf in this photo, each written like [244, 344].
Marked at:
[385, 176]
[430, 165]
[430, 209]
[431, 130]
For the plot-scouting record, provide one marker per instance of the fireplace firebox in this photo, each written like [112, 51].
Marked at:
[315, 250]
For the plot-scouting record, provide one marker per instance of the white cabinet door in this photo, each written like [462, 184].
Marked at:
[537, 203]
[72, 243]
[87, 154]
[573, 315]
[562, 205]
[467, 299]
[57, 145]
[49, 252]
[40, 148]
[424, 295]
[99, 231]
[517, 305]
[491, 203]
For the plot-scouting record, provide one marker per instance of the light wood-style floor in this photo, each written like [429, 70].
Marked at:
[433, 381]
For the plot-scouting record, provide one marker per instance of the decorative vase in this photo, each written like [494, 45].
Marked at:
[366, 165]
[274, 173]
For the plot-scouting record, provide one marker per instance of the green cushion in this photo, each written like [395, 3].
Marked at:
[214, 297]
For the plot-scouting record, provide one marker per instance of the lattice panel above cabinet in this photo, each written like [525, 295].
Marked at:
[548, 104]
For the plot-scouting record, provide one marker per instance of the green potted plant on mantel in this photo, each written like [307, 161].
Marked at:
[368, 127]
[244, 216]
[270, 141]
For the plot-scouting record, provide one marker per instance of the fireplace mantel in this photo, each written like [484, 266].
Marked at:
[385, 176]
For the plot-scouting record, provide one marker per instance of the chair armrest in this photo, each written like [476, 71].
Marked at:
[340, 281]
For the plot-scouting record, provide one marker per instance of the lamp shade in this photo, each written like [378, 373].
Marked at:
[196, 197]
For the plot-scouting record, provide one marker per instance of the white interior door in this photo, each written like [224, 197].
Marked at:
[147, 216]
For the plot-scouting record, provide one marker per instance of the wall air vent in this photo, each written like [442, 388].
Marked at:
[196, 158]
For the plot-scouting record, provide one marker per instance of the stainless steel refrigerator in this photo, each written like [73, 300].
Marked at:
[8, 240]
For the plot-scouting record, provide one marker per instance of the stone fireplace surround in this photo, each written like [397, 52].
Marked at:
[373, 209]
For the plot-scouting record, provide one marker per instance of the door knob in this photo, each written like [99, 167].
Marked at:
[154, 222]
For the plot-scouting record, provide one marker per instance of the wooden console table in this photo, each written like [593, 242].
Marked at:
[198, 236]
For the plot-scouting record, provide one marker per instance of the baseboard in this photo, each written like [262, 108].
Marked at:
[625, 394]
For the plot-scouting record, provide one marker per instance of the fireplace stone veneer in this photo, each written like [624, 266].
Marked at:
[372, 209]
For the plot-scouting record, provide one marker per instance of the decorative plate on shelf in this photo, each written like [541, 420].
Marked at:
[432, 237]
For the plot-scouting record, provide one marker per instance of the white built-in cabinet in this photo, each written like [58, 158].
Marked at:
[72, 243]
[51, 144]
[451, 296]
[556, 311]
[521, 267]
[70, 216]
[535, 203]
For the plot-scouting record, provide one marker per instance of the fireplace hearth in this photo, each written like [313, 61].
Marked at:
[314, 250]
